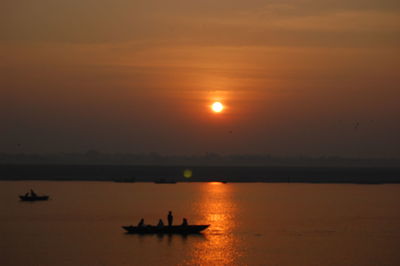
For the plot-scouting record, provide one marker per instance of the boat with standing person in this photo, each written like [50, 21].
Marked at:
[183, 229]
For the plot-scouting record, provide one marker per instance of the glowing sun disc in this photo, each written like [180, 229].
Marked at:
[217, 107]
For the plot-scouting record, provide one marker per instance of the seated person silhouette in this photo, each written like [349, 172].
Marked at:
[141, 223]
[160, 223]
[184, 222]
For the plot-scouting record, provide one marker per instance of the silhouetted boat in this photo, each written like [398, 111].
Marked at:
[175, 229]
[33, 198]
[372, 182]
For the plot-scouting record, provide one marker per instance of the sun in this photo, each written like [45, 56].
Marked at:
[217, 107]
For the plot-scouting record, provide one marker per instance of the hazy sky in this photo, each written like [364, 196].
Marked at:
[296, 76]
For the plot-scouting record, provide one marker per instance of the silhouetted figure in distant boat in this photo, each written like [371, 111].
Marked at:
[160, 223]
[33, 194]
[26, 194]
[184, 222]
[141, 223]
[170, 218]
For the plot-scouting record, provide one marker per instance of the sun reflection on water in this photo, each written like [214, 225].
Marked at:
[216, 208]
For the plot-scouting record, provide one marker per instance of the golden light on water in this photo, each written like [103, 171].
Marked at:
[217, 209]
[215, 183]
[217, 107]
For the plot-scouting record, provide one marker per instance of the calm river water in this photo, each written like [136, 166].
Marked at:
[251, 224]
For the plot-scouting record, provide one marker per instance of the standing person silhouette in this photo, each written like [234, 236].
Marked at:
[170, 218]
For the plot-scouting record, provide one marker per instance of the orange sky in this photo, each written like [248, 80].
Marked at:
[297, 77]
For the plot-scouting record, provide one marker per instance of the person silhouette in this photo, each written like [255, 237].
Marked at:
[160, 223]
[184, 222]
[33, 194]
[170, 218]
[141, 223]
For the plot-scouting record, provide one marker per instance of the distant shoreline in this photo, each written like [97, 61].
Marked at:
[143, 173]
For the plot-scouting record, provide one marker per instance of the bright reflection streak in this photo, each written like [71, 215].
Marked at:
[217, 208]
[215, 183]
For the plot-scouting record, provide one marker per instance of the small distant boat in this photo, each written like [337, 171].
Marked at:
[33, 198]
[175, 229]
[164, 181]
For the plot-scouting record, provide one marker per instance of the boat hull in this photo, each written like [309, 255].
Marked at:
[30, 198]
[175, 229]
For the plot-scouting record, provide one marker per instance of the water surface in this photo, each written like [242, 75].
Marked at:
[251, 224]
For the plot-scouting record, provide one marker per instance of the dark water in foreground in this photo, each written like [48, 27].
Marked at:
[251, 224]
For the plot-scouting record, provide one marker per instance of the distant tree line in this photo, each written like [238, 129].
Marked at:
[93, 157]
